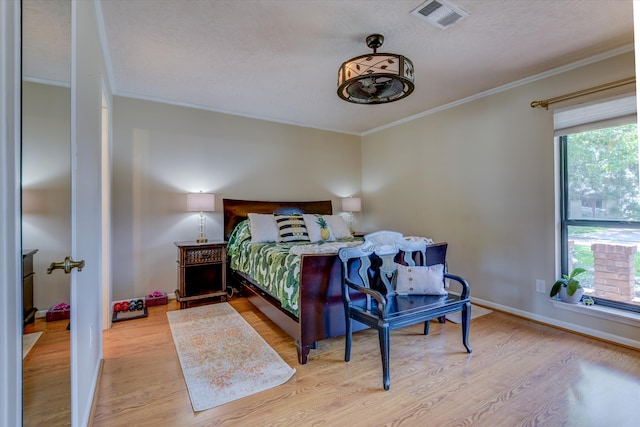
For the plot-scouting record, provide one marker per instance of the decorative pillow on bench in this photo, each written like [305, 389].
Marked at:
[420, 280]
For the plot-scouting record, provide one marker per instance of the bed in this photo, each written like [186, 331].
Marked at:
[319, 312]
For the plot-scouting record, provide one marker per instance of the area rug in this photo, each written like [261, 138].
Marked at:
[222, 357]
[476, 311]
[28, 341]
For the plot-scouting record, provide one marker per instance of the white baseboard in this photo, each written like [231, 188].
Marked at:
[571, 327]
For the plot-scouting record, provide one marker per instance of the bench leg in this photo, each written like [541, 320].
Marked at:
[466, 323]
[383, 336]
[426, 327]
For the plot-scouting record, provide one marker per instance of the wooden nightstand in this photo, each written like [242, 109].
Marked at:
[202, 271]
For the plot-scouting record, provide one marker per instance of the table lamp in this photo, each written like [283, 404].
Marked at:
[201, 202]
[351, 205]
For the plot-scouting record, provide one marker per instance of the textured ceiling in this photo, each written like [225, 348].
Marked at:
[278, 59]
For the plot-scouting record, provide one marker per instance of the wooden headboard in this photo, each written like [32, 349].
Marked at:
[236, 211]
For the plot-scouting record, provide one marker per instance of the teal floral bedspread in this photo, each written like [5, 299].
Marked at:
[269, 264]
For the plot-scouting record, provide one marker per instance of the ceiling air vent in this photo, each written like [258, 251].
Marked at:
[440, 13]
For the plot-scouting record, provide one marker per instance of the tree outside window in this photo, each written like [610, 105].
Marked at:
[601, 211]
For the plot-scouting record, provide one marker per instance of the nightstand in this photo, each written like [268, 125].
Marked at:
[202, 271]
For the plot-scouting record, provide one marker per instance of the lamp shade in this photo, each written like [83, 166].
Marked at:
[351, 204]
[201, 202]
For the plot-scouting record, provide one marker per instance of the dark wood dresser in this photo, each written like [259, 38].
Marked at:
[28, 310]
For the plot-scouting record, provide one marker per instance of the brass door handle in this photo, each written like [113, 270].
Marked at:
[67, 265]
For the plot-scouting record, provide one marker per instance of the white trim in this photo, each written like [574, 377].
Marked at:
[104, 44]
[593, 59]
[561, 324]
[106, 177]
[10, 220]
[223, 111]
[74, 374]
[46, 82]
[608, 313]
[508, 86]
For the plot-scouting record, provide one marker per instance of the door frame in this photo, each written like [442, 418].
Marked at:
[87, 90]
[10, 214]
[106, 168]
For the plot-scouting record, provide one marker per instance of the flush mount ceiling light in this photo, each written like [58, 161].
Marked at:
[376, 78]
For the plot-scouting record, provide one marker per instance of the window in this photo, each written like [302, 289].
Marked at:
[600, 200]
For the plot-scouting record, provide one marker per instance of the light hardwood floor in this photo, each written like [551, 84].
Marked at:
[519, 374]
[46, 376]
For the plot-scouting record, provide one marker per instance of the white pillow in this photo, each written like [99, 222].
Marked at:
[263, 228]
[316, 232]
[338, 227]
[420, 280]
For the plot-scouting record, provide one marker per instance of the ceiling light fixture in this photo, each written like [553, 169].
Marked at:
[375, 78]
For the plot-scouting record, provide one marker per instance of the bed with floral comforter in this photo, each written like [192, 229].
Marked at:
[296, 285]
[276, 266]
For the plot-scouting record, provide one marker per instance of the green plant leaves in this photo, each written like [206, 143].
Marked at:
[569, 281]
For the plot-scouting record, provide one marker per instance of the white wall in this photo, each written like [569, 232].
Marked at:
[481, 176]
[46, 182]
[161, 152]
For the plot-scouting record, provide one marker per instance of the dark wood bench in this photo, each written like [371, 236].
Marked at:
[371, 269]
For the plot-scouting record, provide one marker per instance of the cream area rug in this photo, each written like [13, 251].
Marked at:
[28, 341]
[222, 357]
[476, 311]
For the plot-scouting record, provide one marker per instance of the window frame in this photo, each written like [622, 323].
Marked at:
[565, 223]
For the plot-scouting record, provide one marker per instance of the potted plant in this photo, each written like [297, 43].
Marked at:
[568, 287]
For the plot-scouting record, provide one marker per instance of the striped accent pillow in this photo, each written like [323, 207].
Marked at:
[291, 228]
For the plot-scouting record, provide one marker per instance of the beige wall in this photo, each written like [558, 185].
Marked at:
[481, 177]
[161, 152]
[46, 180]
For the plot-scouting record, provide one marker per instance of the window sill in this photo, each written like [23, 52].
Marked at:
[608, 313]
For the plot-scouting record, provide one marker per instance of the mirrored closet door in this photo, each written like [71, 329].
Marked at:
[46, 136]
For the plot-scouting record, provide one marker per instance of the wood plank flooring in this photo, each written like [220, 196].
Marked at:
[519, 374]
[46, 376]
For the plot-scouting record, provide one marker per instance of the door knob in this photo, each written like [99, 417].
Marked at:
[67, 265]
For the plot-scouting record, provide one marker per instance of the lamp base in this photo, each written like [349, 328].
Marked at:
[202, 240]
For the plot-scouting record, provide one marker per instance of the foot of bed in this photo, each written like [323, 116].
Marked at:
[303, 353]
